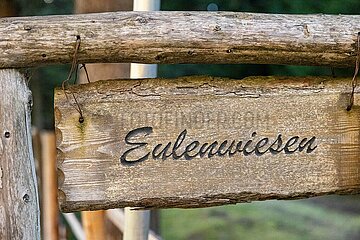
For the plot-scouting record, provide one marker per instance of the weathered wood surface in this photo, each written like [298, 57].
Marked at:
[98, 169]
[180, 37]
[19, 207]
[96, 225]
[137, 223]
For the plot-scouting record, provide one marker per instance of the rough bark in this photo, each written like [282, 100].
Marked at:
[91, 153]
[19, 206]
[180, 37]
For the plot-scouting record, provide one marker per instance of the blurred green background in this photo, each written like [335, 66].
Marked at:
[332, 217]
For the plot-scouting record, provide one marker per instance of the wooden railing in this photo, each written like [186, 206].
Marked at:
[142, 37]
[180, 37]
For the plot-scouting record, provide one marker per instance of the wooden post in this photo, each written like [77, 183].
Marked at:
[7, 8]
[19, 208]
[49, 186]
[137, 223]
[93, 224]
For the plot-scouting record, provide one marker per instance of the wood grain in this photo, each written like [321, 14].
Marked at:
[96, 225]
[19, 205]
[180, 37]
[210, 109]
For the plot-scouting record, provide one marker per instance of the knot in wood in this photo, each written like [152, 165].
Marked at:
[217, 28]
[27, 27]
[7, 134]
[26, 198]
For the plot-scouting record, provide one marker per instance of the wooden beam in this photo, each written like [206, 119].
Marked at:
[288, 137]
[19, 204]
[180, 37]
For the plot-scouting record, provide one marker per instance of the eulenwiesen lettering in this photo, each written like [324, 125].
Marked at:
[195, 149]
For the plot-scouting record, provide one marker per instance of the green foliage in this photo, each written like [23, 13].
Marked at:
[280, 220]
[42, 84]
[268, 6]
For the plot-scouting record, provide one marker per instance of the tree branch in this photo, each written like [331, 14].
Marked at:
[180, 37]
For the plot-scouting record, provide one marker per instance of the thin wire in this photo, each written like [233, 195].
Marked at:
[354, 79]
[74, 62]
[76, 75]
[86, 72]
[74, 68]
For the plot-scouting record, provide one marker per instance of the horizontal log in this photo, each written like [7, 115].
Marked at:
[271, 138]
[180, 37]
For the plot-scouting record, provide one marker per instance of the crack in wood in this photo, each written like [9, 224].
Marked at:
[1, 176]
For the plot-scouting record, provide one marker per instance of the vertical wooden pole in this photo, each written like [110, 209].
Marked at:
[94, 224]
[137, 223]
[49, 186]
[8, 8]
[19, 203]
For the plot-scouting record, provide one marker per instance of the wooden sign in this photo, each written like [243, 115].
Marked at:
[203, 141]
